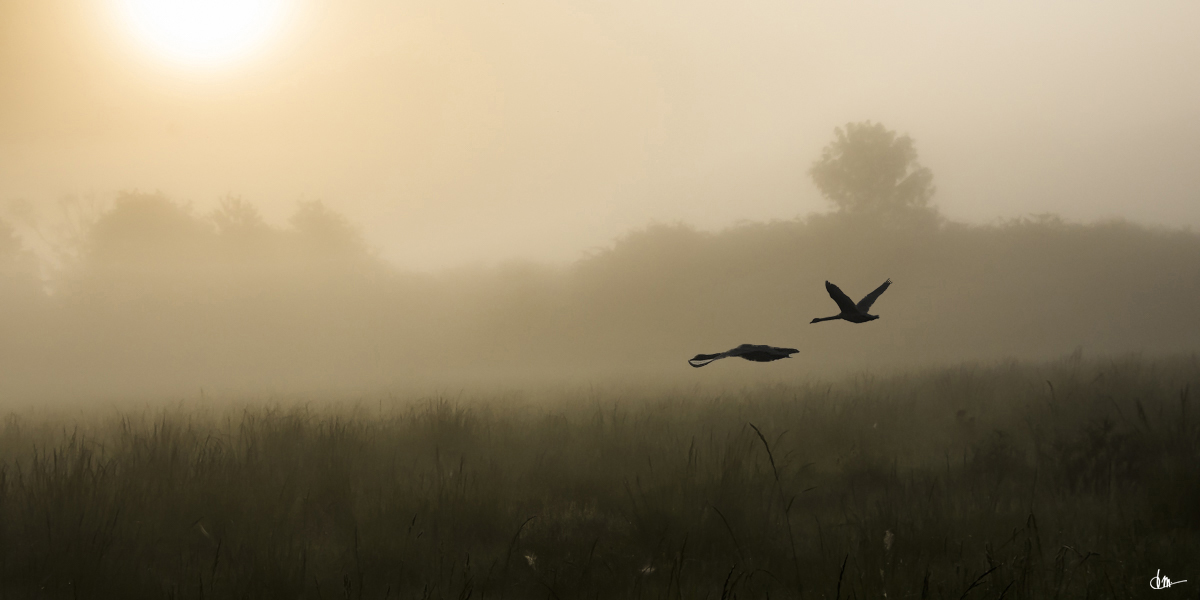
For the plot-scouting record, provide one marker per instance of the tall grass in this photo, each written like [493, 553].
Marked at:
[1070, 479]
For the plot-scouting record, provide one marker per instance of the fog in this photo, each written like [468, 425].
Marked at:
[463, 133]
[439, 195]
[158, 300]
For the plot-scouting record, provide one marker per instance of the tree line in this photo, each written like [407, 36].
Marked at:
[152, 298]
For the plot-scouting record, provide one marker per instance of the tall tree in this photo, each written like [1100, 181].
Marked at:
[18, 267]
[144, 228]
[868, 169]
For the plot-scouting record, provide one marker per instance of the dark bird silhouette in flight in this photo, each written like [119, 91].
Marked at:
[752, 352]
[855, 313]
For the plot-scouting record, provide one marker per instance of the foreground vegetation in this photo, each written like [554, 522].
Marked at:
[1070, 479]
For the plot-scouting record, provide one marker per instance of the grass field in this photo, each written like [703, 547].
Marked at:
[1071, 479]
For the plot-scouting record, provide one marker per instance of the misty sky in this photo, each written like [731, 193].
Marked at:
[459, 131]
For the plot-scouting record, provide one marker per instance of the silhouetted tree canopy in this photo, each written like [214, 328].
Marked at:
[18, 268]
[868, 169]
[325, 232]
[162, 297]
[238, 219]
[143, 227]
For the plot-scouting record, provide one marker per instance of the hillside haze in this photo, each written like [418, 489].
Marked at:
[458, 132]
[157, 299]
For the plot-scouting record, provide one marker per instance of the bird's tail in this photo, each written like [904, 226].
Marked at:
[702, 359]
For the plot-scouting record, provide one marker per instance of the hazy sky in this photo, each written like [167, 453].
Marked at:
[458, 131]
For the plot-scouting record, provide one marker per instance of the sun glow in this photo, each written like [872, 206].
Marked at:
[203, 32]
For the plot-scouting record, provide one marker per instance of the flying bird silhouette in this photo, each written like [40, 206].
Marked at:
[752, 352]
[855, 313]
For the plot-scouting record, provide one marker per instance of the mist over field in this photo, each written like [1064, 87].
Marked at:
[154, 298]
[457, 132]
[366, 197]
[375, 299]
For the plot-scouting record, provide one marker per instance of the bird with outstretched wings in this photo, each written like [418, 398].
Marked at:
[855, 313]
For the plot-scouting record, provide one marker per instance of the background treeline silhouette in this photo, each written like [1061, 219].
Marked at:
[158, 299]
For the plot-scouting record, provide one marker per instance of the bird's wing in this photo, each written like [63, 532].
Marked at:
[754, 352]
[771, 354]
[843, 301]
[703, 359]
[760, 353]
[744, 348]
[864, 305]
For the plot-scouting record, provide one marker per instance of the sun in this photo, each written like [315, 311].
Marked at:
[203, 32]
